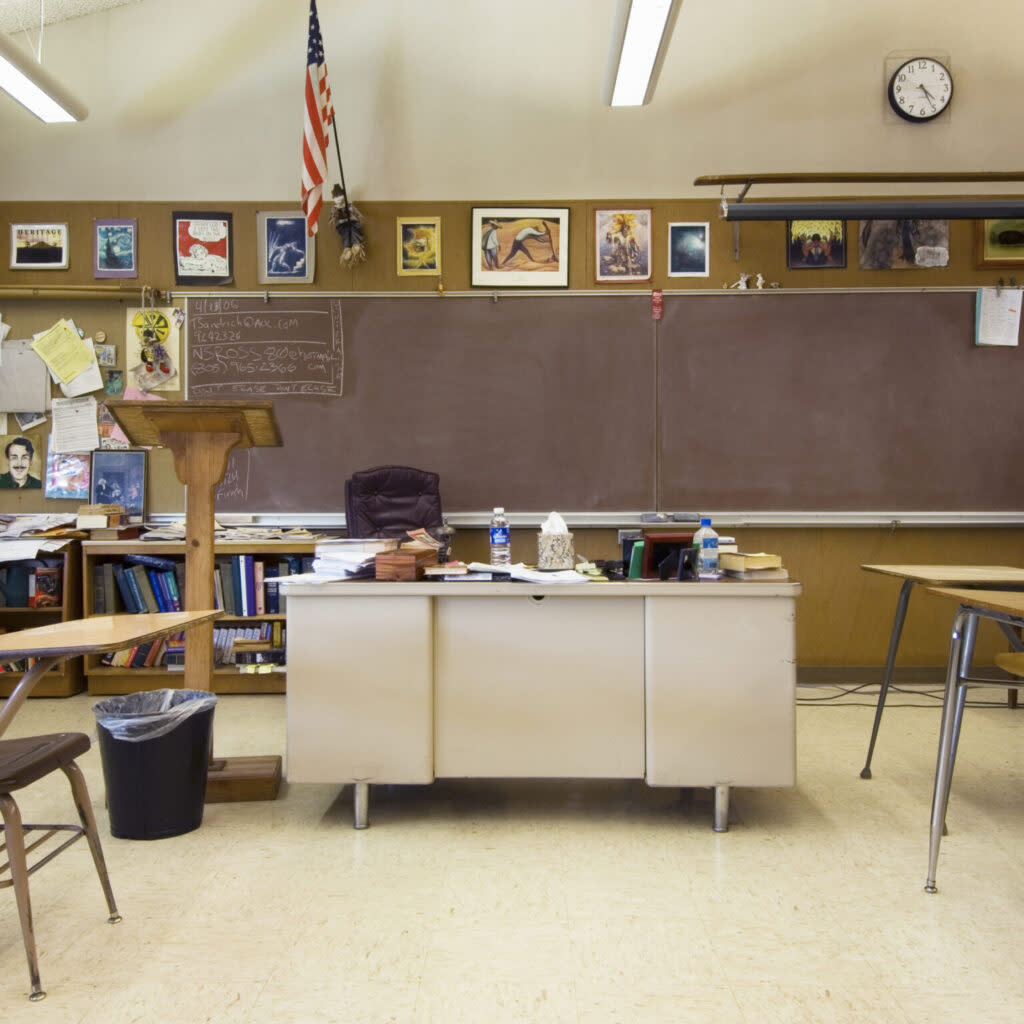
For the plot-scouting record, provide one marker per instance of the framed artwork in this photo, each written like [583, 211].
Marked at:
[622, 245]
[688, 250]
[815, 244]
[115, 247]
[520, 247]
[22, 463]
[39, 247]
[418, 246]
[907, 244]
[999, 243]
[202, 247]
[119, 478]
[284, 252]
[67, 475]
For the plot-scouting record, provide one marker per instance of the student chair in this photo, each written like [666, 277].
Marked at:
[388, 500]
[23, 761]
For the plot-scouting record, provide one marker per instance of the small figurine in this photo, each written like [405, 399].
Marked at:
[348, 222]
[743, 283]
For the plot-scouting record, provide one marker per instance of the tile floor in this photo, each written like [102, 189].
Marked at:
[564, 902]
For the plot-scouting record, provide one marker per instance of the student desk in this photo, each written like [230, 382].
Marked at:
[96, 635]
[680, 684]
[1005, 608]
[987, 576]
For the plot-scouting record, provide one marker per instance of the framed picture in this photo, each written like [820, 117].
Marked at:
[202, 247]
[520, 247]
[119, 478]
[622, 245]
[907, 244]
[22, 463]
[418, 246]
[115, 247]
[999, 243]
[284, 252]
[688, 250]
[39, 247]
[67, 475]
[815, 244]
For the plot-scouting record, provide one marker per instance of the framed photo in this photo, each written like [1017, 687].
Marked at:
[115, 247]
[418, 246]
[67, 475]
[815, 244]
[39, 247]
[999, 243]
[202, 247]
[119, 478]
[907, 244]
[284, 252]
[622, 245]
[688, 250]
[520, 247]
[22, 463]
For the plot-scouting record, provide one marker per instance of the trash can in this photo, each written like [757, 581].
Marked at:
[155, 749]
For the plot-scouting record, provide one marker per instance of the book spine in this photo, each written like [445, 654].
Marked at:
[259, 599]
[127, 594]
[153, 658]
[236, 584]
[99, 595]
[140, 655]
[272, 598]
[171, 586]
[138, 572]
[227, 589]
[179, 579]
[111, 597]
[151, 561]
[248, 580]
[158, 596]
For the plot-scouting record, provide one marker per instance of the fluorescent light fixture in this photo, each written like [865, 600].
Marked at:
[876, 209]
[34, 87]
[639, 41]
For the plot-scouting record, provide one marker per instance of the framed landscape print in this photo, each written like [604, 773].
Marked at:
[688, 246]
[999, 243]
[520, 247]
[622, 245]
[202, 247]
[815, 244]
[119, 478]
[418, 246]
[284, 252]
[39, 246]
[115, 247]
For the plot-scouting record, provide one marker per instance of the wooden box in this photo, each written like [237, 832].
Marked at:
[404, 564]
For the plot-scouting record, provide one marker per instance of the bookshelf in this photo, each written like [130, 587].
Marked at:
[117, 679]
[66, 678]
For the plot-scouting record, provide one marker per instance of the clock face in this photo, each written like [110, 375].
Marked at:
[920, 89]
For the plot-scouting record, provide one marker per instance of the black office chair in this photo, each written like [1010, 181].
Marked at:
[388, 500]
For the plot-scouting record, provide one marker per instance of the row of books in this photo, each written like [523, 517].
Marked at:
[150, 654]
[242, 585]
[249, 645]
[31, 583]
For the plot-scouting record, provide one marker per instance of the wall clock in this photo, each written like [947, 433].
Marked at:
[920, 89]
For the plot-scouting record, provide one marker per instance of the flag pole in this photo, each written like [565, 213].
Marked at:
[341, 169]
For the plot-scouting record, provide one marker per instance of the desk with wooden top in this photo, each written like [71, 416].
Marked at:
[981, 576]
[96, 635]
[1006, 608]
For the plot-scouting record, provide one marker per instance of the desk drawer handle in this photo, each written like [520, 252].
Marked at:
[537, 597]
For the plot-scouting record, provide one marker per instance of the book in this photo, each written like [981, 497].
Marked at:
[101, 520]
[142, 652]
[44, 587]
[155, 652]
[145, 595]
[218, 589]
[271, 590]
[248, 583]
[170, 581]
[226, 571]
[151, 561]
[116, 533]
[259, 598]
[743, 560]
[99, 595]
[446, 569]
[179, 579]
[237, 586]
[127, 594]
[772, 575]
[111, 598]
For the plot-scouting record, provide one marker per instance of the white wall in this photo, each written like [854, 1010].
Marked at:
[487, 101]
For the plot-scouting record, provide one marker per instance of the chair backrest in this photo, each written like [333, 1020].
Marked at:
[388, 500]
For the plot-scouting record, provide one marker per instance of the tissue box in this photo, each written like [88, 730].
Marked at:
[555, 551]
[405, 564]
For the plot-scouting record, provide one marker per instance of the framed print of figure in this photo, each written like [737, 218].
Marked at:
[418, 246]
[119, 478]
[284, 252]
[622, 245]
[520, 247]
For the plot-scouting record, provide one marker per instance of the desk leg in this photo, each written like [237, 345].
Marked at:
[721, 809]
[361, 804]
[890, 661]
[952, 708]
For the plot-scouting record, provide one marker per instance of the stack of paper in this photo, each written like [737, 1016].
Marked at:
[519, 571]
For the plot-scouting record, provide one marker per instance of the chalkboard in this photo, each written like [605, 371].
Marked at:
[244, 346]
[762, 402]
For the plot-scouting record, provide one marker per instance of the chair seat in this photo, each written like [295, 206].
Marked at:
[1012, 662]
[25, 760]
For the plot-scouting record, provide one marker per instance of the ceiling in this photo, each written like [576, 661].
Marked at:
[16, 15]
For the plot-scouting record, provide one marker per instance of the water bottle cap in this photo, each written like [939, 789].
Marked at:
[705, 520]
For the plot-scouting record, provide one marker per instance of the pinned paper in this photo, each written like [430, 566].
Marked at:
[63, 351]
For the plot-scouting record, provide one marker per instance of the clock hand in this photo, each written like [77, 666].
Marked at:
[928, 95]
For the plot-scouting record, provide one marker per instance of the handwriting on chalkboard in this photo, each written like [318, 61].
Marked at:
[235, 485]
[245, 346]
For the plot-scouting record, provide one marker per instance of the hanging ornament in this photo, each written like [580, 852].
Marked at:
[348, 222]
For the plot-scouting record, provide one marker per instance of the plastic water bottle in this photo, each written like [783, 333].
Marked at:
[501, 549]
[706, 542]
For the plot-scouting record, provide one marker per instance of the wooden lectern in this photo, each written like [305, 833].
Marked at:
[201, 434]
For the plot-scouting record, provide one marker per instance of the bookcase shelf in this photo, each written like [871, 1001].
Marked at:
[67, 677]
[105, 679]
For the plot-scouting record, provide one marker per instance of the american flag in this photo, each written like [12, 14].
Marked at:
[318, 116]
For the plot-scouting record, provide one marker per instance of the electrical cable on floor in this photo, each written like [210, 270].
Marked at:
[836, 699]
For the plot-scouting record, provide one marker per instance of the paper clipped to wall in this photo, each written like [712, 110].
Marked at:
[997, 316]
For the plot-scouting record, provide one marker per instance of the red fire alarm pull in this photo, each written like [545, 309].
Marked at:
[657, 302]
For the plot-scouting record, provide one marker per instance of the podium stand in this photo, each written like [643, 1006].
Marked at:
[201, 434]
